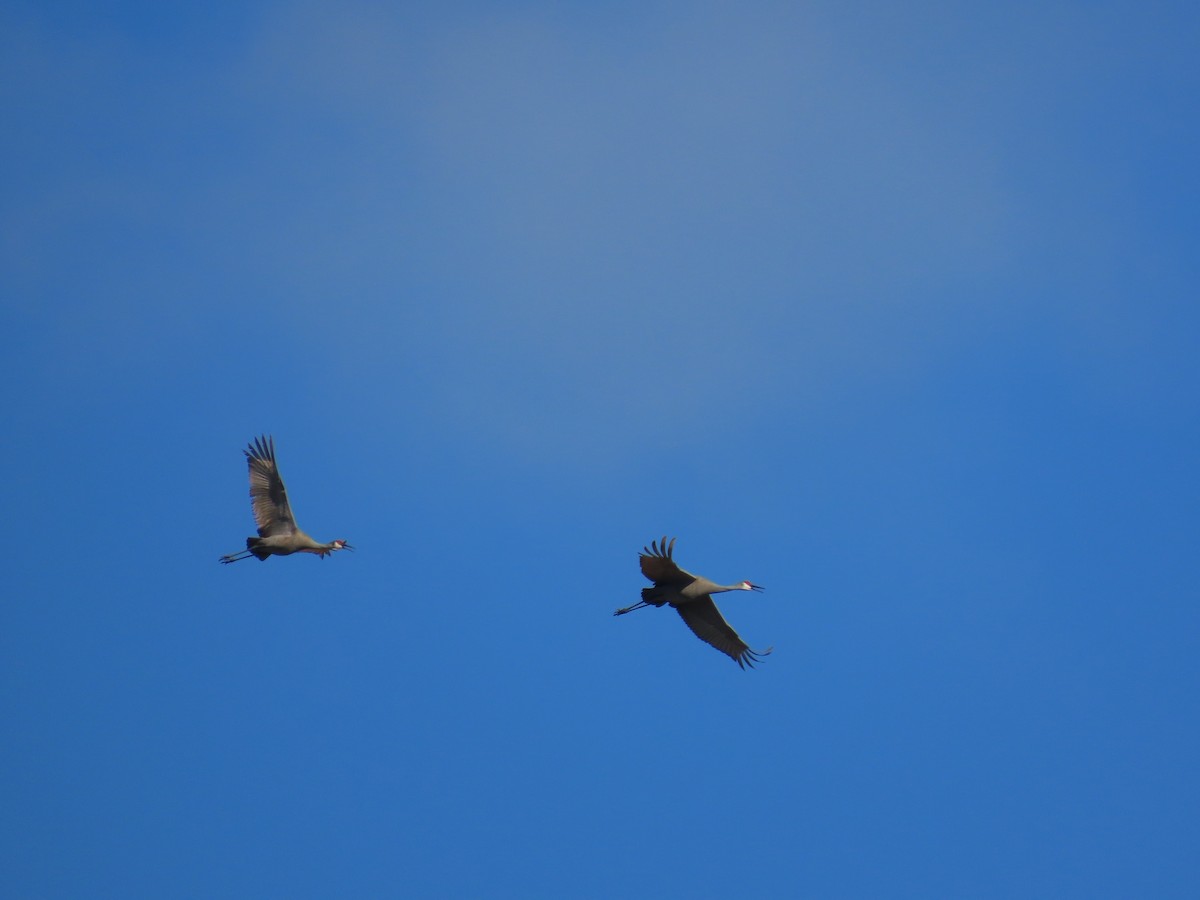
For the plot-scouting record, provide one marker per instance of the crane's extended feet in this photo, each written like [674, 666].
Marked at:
[621, 612]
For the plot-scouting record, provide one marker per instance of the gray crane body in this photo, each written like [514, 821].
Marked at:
[697, 589]
[287, 544]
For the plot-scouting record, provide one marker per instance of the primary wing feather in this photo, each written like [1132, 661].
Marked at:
[268, 496]
[659, 567]
[707, 623]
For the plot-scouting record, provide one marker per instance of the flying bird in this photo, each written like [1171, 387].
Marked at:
[278, 533]
[691, 596]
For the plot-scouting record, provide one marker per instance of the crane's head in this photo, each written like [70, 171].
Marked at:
[341, 545]
[747, 586]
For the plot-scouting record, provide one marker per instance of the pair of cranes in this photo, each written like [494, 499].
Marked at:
[690, 595]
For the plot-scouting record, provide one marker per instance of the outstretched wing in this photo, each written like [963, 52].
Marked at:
[707, 623]
[659, 567]
[268, 496]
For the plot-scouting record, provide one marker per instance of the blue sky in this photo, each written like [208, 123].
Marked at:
[891, 309]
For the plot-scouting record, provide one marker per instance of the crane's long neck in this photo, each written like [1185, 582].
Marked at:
[311, 546]
[740, 586]
[305, 544]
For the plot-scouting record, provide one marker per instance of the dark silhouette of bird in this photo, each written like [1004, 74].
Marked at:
[691, 596]
[278, 533]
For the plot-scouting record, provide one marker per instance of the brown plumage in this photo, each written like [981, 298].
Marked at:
[278, 534]
[690, 595]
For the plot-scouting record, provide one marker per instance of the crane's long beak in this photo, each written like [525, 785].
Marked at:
[756, 587]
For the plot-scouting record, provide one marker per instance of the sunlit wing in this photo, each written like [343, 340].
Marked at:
[707, 623]
[659, 567]
[268, 496]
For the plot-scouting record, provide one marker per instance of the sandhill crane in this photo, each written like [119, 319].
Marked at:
[691, 596]
[277, 530]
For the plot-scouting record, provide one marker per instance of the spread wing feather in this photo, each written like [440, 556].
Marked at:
[658, 565]
[702, 616]
[268, 496]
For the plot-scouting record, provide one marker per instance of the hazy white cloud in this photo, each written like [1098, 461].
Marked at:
[564, 234]
[599, 215]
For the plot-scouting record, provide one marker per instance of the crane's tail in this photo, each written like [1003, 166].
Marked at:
[654, 596]
[252, 546]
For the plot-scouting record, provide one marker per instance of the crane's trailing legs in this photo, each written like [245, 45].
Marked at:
[251, 543]
[619, 612]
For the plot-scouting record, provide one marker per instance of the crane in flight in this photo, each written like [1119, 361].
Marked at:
[278, 533]
[691, 596]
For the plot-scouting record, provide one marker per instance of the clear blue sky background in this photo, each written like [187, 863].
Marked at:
[889, 307]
